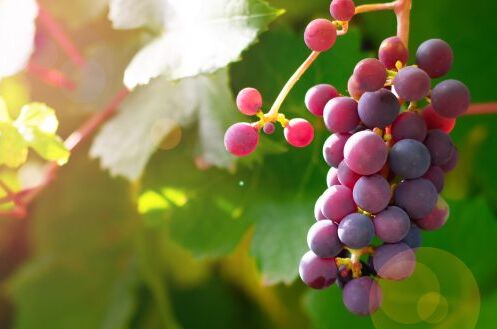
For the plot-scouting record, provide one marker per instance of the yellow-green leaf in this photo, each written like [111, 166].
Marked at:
[40, 116]
[13, 147]
[49, 147]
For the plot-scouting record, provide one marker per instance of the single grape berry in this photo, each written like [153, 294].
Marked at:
[365, 152]
[320, 35]
[333, 149]
[417, 197]
[436, 121]
[435, 57]
[317, 97]
[337, 202]
[409, 125]
[346, 176]
[340, 114]
[354, 88]
[370, 74]
[249, 101]
[392, 224]
[440, 146]
[392, 50]
[394, 261]
[241, 139]
[409, 158]
[436, 176]
[450, 98]
[318, 214]
[342, 10]
[322, 239]
[437, 218]
[356, 231]
[378, 108]
[372, 193]
[412, 84]
[299, 132]
[362, 296]
[317, 273]
[268, 128]
[332, 177]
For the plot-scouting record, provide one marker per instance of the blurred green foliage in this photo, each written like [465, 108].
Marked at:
[215, 248]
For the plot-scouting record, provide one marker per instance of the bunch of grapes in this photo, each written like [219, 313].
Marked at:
[388, 153]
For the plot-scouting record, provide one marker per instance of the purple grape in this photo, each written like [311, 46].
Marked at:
[318, 214]
[317, 273]
[440, 146]
[333, 149]
[249, 101]
[346, 176]
[450, 98]
[409, 125]
[362, 296]
[342, 10]
[372, 193]
[356, 231]
[413, 238]
[241, 139]
[417, 197]
[340, 114]
[332, 177]
[437, 218]
[299, 132]
[323, 239]
[392, 50]
[394, 261]
[409, 158]
[435, 57]
[378, 108]
[412, 84]
[436, 176]
[268, 128]
[370, 74]
[452, 163]
[392, 224]
[317, 97]
[365, 152]
[337, 203]
[320, 35]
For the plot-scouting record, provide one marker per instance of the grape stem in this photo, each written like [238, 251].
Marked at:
[51, 76]
[401, 8]
[482, 108]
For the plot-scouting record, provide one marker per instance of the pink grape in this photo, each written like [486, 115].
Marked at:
[320, 35]
[370, 74]
[333, 149]
[362, 296]
[241, 139]
[365, 152]
[268, 128]
[392, 50]
[394, 261]
[346, 176]
[317, 273]
[340, 114]
[332, 177]
[337, 203]
[342, 10]
[299, 133]
[354, 88]
[249, 101]
[317, 97]
[436, 121]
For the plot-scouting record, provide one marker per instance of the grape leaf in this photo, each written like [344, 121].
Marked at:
[198, 36]
[17, 32]
[127, 141]
[13, 147]
[40, 116]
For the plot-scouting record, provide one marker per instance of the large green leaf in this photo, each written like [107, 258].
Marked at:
[13, 147]
[150, 113]
[198, 36]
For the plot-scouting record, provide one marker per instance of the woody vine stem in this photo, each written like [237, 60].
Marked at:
[23, 198]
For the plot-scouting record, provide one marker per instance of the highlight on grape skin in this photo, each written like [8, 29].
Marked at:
[241, 139]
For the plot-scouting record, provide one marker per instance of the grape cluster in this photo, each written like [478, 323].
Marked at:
[388, 153]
